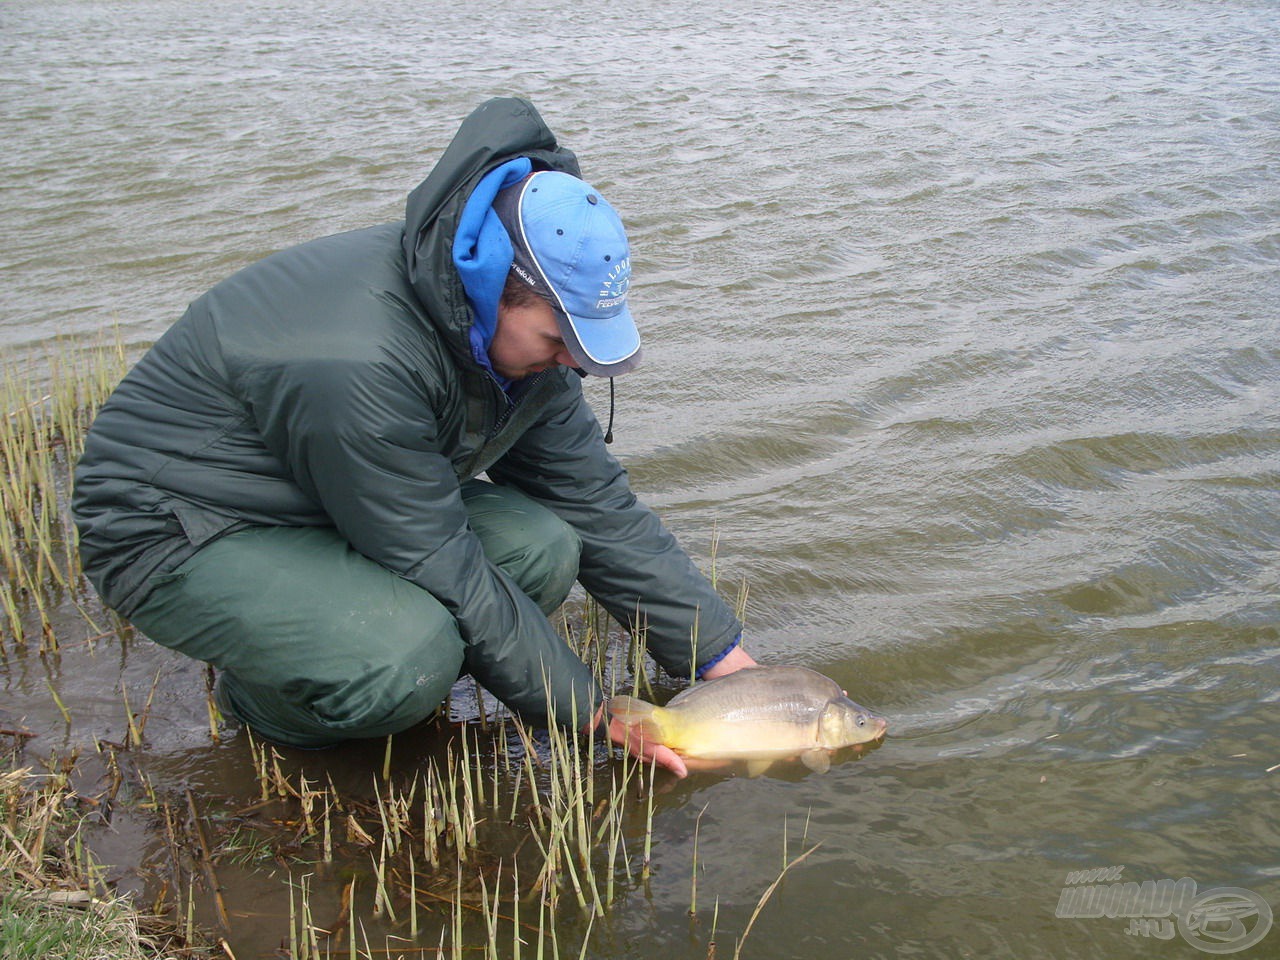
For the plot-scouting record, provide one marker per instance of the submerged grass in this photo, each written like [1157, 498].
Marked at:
[41, 437]
[500, 846]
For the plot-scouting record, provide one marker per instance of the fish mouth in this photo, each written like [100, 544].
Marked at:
[880, 725]
[874, 741]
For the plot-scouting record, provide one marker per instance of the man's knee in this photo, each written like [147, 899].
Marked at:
[374, 700]
[525, 540]
[389, 697]
[551, 566]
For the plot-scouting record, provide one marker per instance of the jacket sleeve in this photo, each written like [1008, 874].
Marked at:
[630, 562]
[359, 436]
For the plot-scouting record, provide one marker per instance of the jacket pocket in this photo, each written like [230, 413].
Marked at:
[201, 526]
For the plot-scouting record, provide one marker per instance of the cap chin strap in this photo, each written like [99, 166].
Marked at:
[608, 432]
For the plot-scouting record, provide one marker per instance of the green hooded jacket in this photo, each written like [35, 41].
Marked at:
[333, 384]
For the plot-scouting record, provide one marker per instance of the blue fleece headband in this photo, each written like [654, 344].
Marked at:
[482, 253]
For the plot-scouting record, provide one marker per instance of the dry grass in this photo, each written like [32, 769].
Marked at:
[53, 901]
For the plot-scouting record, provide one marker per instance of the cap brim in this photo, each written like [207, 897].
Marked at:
[606, 347]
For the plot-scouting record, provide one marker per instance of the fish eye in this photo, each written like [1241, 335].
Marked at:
[862, 720]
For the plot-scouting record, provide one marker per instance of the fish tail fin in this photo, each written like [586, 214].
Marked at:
[632, 712]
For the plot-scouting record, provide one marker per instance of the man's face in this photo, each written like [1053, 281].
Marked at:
[527, 341]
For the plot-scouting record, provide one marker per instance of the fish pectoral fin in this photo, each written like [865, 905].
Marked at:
[757, 767]
[819, 761]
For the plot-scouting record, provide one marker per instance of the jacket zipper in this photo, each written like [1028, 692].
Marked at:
[511, 404]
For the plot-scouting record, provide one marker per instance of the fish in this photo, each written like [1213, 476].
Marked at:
[759, 714]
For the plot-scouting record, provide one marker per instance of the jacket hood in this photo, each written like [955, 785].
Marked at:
[497, 131]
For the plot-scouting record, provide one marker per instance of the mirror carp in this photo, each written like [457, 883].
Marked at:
[759, 714]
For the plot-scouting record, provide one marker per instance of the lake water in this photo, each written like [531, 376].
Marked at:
[961, 324]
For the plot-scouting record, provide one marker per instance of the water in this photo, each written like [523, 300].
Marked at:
[961, 336]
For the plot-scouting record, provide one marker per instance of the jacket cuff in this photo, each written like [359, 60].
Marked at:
[718, 657]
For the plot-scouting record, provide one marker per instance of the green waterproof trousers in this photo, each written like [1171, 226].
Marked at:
[317, 643]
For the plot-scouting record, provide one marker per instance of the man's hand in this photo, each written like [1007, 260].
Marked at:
[734, 660]
[633, 741]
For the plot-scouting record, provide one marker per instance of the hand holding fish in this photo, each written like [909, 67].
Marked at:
[633, 740]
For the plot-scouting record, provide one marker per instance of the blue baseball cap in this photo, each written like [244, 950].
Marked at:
[570, 246]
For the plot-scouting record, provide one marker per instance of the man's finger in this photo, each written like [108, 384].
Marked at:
[671, 760]
[632, 739]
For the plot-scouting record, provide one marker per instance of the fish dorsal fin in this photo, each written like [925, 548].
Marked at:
[819, 761]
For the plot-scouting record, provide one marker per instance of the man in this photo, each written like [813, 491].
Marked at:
[287, 484]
